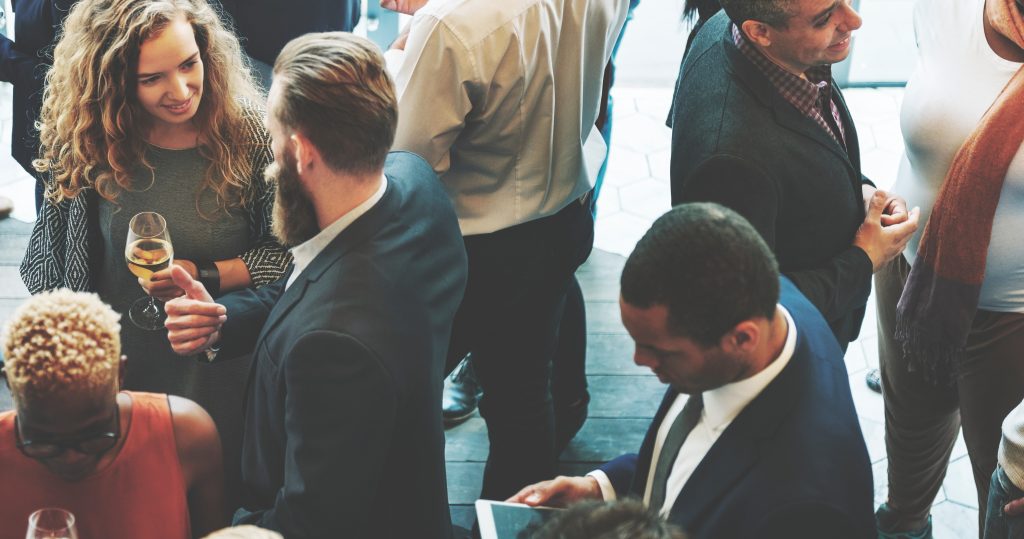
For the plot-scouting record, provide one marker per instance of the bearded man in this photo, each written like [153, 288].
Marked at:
[343, 434]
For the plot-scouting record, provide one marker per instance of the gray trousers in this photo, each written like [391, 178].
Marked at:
[922, 419]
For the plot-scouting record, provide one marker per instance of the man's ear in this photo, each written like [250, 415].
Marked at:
[758, 33]
[742, 339]
[304, 152]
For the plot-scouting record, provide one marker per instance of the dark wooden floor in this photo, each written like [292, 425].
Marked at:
[623, 396]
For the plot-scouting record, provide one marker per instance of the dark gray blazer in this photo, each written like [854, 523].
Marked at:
[738, 142]
[343, 434]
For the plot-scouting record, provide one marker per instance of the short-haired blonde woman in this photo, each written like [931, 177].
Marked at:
[125, 464]
[149, 106]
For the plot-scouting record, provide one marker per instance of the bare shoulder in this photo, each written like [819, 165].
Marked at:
[194, 431]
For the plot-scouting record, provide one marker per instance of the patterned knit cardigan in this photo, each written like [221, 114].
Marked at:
[58, 254]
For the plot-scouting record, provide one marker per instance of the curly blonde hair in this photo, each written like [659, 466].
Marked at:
[61, 340]
[92, 129]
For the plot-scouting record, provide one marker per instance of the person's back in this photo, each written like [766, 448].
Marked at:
[517, 141]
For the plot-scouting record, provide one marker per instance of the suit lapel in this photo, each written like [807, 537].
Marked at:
[785, 114]
[284, 305]
[739, 447]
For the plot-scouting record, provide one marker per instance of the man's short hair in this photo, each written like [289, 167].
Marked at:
[708, 266]
[623, 519]
[336, 90]
[60, 341]
[771, 12]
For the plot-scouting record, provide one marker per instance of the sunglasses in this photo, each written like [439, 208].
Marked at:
[93, 444]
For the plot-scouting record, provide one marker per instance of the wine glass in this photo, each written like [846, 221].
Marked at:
[148, 251]
[51, 523]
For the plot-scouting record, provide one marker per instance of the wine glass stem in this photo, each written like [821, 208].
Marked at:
[151, 310]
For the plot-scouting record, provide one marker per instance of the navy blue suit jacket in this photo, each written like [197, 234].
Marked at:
[793, 463]
[343, 434]
[25, 64]
[266, 26]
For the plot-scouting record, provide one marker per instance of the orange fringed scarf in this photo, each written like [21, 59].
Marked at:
[937, 307]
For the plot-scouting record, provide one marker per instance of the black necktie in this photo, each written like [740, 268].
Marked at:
[677, 434]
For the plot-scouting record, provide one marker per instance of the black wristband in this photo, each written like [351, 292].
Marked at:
[209, 275]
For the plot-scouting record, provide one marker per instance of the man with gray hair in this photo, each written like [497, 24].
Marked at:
[760, 126]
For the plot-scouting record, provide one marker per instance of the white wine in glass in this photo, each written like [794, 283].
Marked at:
[147, 251]
[51, 523]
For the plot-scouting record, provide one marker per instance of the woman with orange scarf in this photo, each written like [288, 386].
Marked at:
[952, 352]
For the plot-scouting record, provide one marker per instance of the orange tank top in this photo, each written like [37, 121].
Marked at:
[139, 495]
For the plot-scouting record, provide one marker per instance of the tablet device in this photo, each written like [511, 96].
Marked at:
[501, 520]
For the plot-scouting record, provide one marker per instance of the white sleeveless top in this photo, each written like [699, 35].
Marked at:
[958, 76]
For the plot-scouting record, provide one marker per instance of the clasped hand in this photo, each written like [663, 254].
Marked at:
[887, 227]
[193, 319]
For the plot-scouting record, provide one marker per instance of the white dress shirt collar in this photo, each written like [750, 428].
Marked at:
[723, 404]
[304, 253]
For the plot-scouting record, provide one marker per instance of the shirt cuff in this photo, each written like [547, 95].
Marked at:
[607, 490]
[393, 59]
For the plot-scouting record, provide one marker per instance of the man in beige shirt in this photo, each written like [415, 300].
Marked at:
[501, 98]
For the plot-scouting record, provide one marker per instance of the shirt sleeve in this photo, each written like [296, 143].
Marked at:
[436, 84]
[607, 490]
[266, 259]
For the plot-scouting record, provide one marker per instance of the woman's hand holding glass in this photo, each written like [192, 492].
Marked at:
[162, 287]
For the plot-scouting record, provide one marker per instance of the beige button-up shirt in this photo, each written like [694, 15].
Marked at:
[500, 97]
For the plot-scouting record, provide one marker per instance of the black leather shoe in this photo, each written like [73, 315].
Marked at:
[874, 380]
[461, 393]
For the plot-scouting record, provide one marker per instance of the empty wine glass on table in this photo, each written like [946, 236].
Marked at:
[148, 251]
[51, 523]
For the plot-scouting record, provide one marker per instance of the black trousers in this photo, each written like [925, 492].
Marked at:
[509, 320]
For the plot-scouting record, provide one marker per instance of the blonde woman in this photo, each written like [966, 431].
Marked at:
[150, 107]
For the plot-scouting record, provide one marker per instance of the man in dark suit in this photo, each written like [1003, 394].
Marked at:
[343, 433]
[759, 126]
[24, 64]
[757, 434]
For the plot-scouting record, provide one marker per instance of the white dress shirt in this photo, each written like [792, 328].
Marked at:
[304, 253]
[721, 406]
[501, 96]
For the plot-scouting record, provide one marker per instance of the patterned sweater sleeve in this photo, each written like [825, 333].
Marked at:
[266, 259]
[57, 253]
